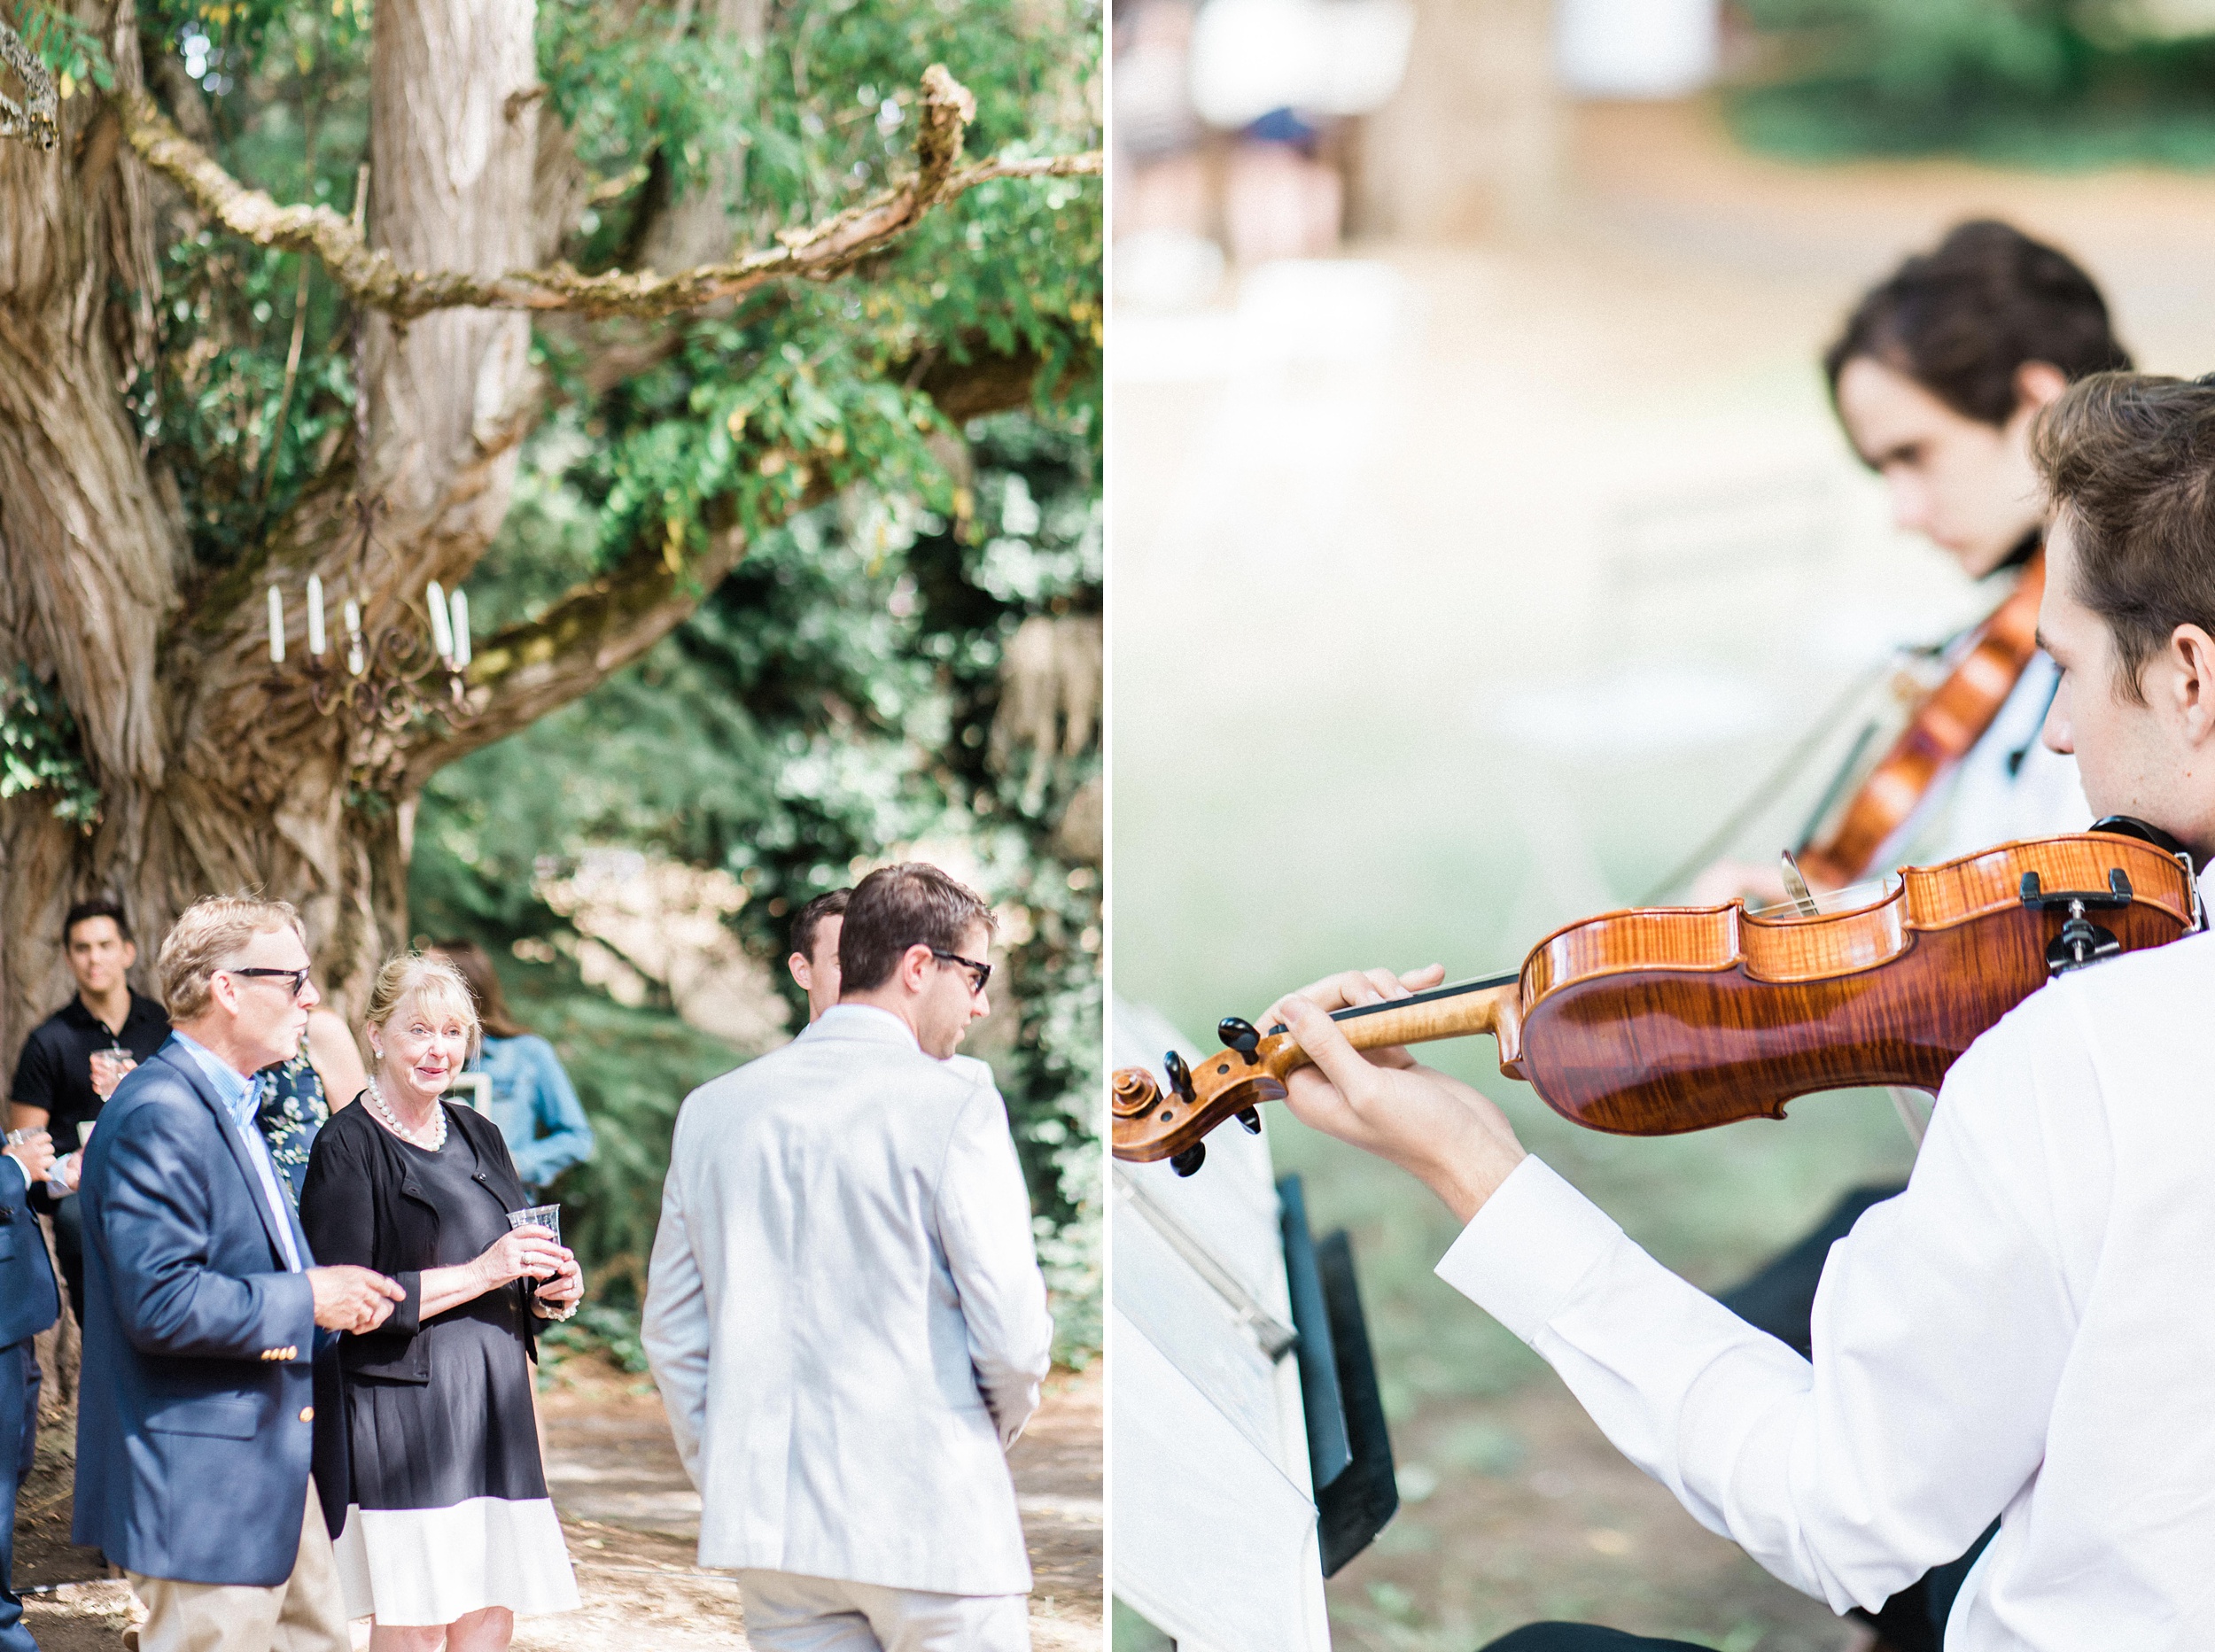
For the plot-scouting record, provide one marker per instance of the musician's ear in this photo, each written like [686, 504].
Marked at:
[2190, 657]
[2038, 383]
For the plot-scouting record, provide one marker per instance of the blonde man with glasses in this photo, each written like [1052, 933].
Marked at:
[197, 1420]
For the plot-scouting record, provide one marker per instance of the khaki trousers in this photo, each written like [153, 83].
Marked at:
[302, 1614]
[787, 1612]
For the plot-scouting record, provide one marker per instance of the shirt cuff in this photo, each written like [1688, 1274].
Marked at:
[1523, 1254]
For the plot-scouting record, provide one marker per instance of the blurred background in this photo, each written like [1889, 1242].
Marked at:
[1482, 539]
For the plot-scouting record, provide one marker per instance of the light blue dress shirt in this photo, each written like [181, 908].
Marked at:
[239, 1095]
[536, 1108]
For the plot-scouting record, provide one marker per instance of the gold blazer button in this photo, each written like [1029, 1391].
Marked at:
[308, 1413]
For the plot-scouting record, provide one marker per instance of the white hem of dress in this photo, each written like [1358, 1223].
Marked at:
[416, 1567]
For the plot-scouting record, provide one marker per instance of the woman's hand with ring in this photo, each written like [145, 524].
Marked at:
[528, 1253]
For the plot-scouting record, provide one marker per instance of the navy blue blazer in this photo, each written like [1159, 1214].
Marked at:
[196, 1411]
[29, 1304]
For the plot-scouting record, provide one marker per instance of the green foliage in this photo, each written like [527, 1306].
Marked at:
[2052, 82]
[818, 112]
[40, 751]
[598, 1329]
[214, 406]
[65, 44]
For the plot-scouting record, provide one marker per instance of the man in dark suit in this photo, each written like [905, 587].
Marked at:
[195, 1422]
[28, 1305]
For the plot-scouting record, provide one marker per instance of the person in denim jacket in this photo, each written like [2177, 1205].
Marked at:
[533, 1102]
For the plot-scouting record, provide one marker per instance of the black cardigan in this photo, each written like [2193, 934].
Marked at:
[363, 1203]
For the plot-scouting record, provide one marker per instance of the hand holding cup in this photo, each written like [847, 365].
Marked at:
[529, 1252]
[109, 1067]
[33, 1149]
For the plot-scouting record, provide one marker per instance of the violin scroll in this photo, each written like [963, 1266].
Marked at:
[1151, 1124]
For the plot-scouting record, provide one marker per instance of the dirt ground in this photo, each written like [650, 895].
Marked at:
[633, 1521]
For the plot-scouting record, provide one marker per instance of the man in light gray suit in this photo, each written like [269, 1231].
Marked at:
[844, 1312]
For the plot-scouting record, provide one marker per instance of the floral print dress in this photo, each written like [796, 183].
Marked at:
[292, 1109]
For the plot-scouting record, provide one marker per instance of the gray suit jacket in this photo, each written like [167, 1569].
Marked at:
[845, 1314]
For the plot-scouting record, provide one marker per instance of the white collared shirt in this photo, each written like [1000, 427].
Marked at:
[2027, 1331]
[843, 1011]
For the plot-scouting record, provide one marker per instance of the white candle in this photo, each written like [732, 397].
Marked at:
[460, 606]
[356, 660]
[316, 614]
[276, 626]
[442, 633]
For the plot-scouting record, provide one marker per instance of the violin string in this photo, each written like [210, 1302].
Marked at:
[1431, 996]
[1763, 794]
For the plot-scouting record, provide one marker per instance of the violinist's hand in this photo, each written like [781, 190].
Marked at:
[1441, 1131]
[1758, 885]
[1353, 987]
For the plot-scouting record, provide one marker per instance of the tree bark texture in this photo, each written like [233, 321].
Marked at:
[217, 773]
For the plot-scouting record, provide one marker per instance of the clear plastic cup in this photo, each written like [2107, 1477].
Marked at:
[547, 1217]
[108, 1067]
[550, 1217]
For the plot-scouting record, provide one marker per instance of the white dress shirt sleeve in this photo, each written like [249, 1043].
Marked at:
[984, 1214]
[674, 1329]
[1940, 1330]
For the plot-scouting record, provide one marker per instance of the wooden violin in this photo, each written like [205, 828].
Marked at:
[1658, 1021]
[1948, 723]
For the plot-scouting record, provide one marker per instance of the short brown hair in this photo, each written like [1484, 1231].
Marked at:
[206, 936]
[2129, 462]
[897, 907]
[1961, 319]
[804, 920]
[476, 966]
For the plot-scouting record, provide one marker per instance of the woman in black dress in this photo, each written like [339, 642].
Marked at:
[449, 1531]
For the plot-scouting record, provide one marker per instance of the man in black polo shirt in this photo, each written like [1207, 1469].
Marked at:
[55, 1088]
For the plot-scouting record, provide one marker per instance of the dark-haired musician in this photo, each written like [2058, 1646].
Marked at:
[2026, 1331]
[1936, 377]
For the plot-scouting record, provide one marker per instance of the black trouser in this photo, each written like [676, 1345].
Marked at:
[1781, 1299]
[1581, 1637]
[69, 1248]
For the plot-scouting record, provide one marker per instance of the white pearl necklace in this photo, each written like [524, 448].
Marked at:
[383, 1112]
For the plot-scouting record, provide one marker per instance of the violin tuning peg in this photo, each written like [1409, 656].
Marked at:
[1250, 1119]
[1179, 1076]
[1241, 1035]
[1190, 1160]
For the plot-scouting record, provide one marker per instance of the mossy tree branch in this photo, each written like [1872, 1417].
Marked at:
[372, 279]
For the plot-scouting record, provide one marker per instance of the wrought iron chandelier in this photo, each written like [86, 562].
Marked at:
[388, 680]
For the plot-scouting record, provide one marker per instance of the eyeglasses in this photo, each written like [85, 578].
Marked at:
[297, 977]
[979, 973]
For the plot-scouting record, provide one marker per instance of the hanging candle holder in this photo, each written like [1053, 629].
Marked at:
[388, 680]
